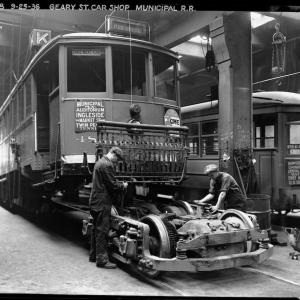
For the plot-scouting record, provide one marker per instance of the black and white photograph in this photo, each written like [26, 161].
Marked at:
[149, 150]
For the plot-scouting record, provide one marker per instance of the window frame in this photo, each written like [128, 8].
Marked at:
[108, 75]
[262, 121]
[200, 123]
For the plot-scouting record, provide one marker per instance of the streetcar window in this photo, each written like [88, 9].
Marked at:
[164, 76]
[269, 136]
[265, 134]
[129, 71]
[294, 138]
[203, 138]
[258, 137]
[209, 138]
[86, 69]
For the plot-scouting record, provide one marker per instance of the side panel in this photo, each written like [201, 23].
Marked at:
[114, 110]
[54, 128]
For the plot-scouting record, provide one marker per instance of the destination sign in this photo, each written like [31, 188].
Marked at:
[87, 52]
[293, 172]
[87, 114]
[127, 27]
[293, 149]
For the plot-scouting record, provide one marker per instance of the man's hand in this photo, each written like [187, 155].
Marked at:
[214, 208]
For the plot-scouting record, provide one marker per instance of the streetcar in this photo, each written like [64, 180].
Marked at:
[83, 93]
[276, 146]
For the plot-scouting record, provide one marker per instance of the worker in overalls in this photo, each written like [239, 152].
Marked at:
[225, 189]
[104, 186]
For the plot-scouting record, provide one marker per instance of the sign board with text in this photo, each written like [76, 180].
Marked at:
[293, 172]
[125, 27]
[39, 37]
[87, 114]
[293, 149]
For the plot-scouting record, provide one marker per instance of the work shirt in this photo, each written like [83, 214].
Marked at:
[104, 185]
[226, 183]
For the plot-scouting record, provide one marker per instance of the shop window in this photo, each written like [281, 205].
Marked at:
[129, 71]
[86, 69]
[164, 76]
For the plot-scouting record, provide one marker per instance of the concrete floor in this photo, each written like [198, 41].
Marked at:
[38, 259]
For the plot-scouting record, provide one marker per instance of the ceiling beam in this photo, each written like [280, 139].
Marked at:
[194, 22]
[190, 49]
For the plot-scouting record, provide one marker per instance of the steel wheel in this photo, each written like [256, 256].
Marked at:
[162, 240]
[241, 218]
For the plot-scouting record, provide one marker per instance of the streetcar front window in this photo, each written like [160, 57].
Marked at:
[86, 69]
[129, 71]
[164, 76]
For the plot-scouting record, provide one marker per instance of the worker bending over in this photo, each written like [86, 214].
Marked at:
[225, 188]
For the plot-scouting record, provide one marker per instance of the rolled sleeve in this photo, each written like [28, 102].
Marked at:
[225, 184]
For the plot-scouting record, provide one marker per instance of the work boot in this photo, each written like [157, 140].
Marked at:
[107, 265]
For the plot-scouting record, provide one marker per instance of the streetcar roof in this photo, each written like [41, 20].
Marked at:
[276, 97]
[97, 35]
[259, 98]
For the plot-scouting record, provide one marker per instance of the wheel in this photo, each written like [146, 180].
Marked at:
[241, 218]
[162, 240]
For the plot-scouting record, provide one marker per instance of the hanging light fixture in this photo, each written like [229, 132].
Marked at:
[210, 56]
[278, 51]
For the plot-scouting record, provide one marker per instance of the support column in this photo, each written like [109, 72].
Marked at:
[231, 41]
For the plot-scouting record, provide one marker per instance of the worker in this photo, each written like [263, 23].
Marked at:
[135, 114]
[224, 187]
[104, 185]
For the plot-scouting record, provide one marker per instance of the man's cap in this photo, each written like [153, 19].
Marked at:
[210, 168]
[118, 152]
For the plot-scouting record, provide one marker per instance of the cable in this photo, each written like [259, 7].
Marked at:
[130, 59]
